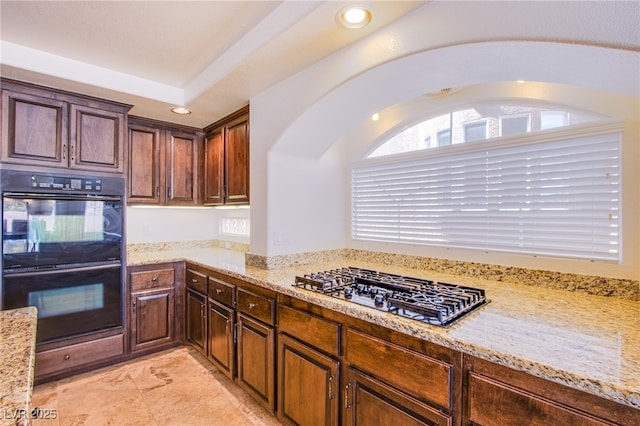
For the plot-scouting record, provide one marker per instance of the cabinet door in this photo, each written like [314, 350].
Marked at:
[370, 402]
[256, 361]
[221, 338]
[145, 185]
[308, 385]
[196, 320]
[214, 168]
[182, 169]
[152, 319]
[34, 130]
[97, 139]
[236, 152]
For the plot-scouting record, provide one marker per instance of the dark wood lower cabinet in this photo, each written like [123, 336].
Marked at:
[308, 385]
[221, 339]
[368, 401]
[256, 360]
[497, 396]
[196, 320]
[152, 321]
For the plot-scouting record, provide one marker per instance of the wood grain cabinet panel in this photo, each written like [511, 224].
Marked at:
[497, 395]
[152, 318]
[164, 163]
[419, 375]
[196, 320]
[256, 361]
[308, 385]
[368, 401]
[71, 357]
[145, 159]
[50, 128]
[183, 152]
[226, 168]
[221, 341]
[97, 139]
[153, 324]
[34, 129]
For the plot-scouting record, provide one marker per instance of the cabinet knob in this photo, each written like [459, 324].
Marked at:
[194, 280]
[154, 279]
[67, 357]
[218, 290]
[251, 305]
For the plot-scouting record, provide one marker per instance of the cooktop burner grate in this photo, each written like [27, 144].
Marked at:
[424, 300]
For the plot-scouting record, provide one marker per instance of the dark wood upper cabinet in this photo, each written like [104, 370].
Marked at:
[50, 128]
[164, 165]
[226, 168]
[144, 164]
[182, 163]
[98, 138]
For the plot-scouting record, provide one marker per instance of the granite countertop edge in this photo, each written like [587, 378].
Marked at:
[17, 362]
[575, 349]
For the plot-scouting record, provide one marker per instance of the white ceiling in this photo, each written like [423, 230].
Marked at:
[211, 56]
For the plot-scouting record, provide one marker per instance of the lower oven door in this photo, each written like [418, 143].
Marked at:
[70, 302]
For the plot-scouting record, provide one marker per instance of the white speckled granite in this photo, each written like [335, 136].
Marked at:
[17, 360]
[584, 341]
[601, 286]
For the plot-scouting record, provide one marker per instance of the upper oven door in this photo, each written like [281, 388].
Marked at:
[45, 231]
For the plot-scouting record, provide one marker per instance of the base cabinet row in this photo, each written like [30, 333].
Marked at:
[312, 366]
[231, 322]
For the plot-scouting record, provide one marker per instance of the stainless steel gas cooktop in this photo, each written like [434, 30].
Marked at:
[424, 300]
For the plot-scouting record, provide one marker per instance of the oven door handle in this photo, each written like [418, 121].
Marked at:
[117, 264]
[59, 196]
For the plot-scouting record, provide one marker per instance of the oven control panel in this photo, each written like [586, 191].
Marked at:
[66, 183]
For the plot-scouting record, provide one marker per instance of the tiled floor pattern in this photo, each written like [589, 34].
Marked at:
[176, 387]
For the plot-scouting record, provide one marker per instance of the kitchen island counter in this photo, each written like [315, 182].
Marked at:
[17, 360]
[587, 342]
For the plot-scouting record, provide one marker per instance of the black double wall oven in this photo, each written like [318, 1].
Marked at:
[63, 251]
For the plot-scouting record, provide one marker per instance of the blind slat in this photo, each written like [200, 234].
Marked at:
[557, 198]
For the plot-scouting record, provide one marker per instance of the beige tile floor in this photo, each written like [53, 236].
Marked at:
[175, 387]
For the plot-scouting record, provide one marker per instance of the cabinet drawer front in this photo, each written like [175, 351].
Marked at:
[222, 292]
[315, 331]
[152, 279]
[197, 281]
[259, 307]
[69, 357]
[424, 377]
[495, 403]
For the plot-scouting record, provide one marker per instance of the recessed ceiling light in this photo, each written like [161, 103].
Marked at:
[181, 110]
[353, 17]
[375, 117]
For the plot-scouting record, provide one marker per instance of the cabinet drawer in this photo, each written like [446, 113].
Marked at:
[494, 403]
[197, 281]
[152, 279]
[424, 377]
[315, 331]
[69, 357]
[259, 307]
[222, 292]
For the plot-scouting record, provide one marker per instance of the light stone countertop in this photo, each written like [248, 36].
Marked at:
[17, 360]
[587, 342]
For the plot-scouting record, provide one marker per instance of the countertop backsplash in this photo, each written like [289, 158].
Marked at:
[600, 286]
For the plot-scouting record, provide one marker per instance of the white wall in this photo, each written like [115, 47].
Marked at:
[167, 224]
[300, 127]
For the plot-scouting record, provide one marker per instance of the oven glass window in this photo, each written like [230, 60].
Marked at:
[63, 301]
[44, 232]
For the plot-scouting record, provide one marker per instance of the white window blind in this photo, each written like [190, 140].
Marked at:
[554, 198]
